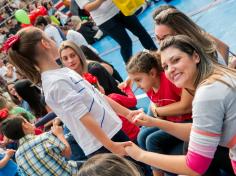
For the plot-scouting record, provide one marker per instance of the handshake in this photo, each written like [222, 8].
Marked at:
[139, 118]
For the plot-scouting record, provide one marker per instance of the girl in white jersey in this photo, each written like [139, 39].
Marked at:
[88, 114]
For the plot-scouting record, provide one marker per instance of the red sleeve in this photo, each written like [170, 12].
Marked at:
[127, 101]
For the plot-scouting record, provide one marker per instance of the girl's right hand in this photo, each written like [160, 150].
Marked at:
[119, 148]
[127, 83]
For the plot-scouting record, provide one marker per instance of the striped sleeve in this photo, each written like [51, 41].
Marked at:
[208, 114]
[202, 147]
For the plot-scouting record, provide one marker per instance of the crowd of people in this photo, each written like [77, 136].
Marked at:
[66, 111]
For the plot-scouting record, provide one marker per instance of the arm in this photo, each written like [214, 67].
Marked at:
[179, 130]
[108, 68]
[9, 72]
[221, 47]
[184, 106]
[94, 128]
[93, 5]
[119, 109]
[127, 101]
[172, 163]
[7, 157]
[58, 132]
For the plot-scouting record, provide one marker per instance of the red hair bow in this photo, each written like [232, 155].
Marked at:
[3, 113]
[9, 42]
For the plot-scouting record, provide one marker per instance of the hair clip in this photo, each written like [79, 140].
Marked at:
[10, 42]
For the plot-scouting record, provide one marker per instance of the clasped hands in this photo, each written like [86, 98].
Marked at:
[138, 117]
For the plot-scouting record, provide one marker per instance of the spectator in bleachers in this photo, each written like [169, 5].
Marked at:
[93, 56]
[170, 21]
[76, 37]
[15, 110]
[188, 66]
[114, 23]
[50, 30]
[87, 28]
[47, 152]
[7, 71]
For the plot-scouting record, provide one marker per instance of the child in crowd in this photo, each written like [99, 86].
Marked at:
[41, 155]
[13, 109]
[186, 65]
[107, 165]
[7, 166]
[73, 57]
[168, 101]
[87, 113]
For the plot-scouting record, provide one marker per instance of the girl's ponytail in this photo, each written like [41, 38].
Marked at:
[143, 62]
[26, 66]
[23, 52]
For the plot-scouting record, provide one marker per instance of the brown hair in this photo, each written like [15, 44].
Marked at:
[182, 24]
[143, 62]
[13, 97]
[23, 53]
[4, 103]
[161, 8]
[208, 71]
[78, 51]
[108, 165]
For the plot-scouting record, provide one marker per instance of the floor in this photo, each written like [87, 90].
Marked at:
[217, 17]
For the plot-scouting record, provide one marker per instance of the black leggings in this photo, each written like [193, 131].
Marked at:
[116, 28]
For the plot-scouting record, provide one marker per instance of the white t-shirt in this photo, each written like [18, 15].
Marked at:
[3, 72]
[103, 13]
[71, 97]
[78, 39]
[53, 33]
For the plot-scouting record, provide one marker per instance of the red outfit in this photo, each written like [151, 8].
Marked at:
[167, 93]
[128, 101]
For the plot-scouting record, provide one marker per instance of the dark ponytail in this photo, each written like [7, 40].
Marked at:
[23, 53]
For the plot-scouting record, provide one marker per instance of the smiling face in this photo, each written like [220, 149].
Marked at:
[71, 60]
[180, 68]
[162, 31]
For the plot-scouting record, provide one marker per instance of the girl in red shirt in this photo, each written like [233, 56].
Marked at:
[167, 102]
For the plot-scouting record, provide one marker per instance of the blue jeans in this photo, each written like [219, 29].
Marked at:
[155, 140]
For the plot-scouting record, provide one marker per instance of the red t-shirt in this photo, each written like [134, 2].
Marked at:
[128, 101]
[167, 93]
